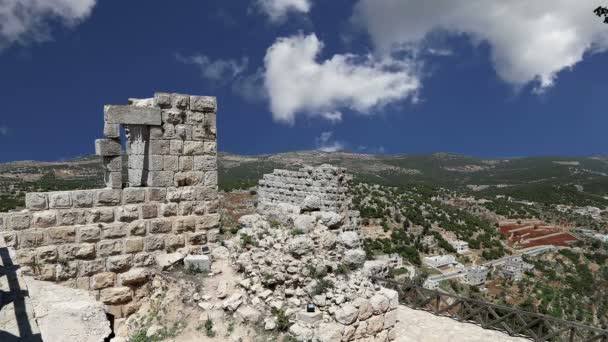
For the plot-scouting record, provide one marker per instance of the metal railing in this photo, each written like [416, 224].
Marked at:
[509, 320]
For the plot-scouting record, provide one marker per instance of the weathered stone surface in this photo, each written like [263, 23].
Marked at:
[107, 147]
[36, 201]
[233, 302]
[44, 219]
[103, 280]
[133, 115]
[201, 263]
[354, 257]
[18, 221]
[304, 223]
[203, 103]
[83, 199]
[165, 261]
[347, 314]
[134, 276]
[115, 295]
[65, 314]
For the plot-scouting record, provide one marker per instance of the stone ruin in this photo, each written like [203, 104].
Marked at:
[322, 188]
[106, 240]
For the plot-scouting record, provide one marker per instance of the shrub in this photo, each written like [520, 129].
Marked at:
[209, 328]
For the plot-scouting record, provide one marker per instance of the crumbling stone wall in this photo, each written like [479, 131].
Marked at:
[326, 185]
[105, 240]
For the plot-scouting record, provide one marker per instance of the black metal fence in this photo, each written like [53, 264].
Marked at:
[512, 321]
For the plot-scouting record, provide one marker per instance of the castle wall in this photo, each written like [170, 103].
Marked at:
[104, 240]
[326, 182]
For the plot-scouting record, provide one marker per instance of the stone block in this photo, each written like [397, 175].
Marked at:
[156, 194]
[76, 251]
[134, 245]
[176, 147]
[46, 272]
[154, 243]
[132, 115]
[189, 178]
[127, 213]
[134, 276]
[71, 217]
[161, 147]
[162, 100]
[199, 132]
[98, 215]
[119, 263]
[149, 210]
[133, 195]
[67, 271]
[210, 147]
[210, 123]
[137, 228]
[88, 234]
[83, 283]
[108, 197]
[198, 238]
[83, 199]
[180, 101]
[25, 256]
[114, 231]
[309, 317]
[111, 130]
[195, 118]
[36, 201]
[205, 193]
[160, 226]
[61, 235]
[160, 178]
[137, 178]
[155, 161]
[203, 103]
[184, 224]
[208, 222]
[103, 280]
[109, 247]
[108, 147]
[168, 131]
[91, 268]
[205, 163]
[194, 148]
[210, 178]
[113, 180]
[47, 254]
[143, 259]
[44, 219]
[31, 238]
[157, 132]
[202, 263]
[136, 161]
[168, 209]
[170, 163]
[183, 132]
[112, 163]
[173, 242]
[185, 163]
[173, 116]
[60, 200]
[10, 238]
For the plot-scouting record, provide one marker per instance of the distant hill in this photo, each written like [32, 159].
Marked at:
[549, 179]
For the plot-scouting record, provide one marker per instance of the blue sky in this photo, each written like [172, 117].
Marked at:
[482, 78]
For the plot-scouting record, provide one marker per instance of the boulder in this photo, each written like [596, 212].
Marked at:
[329, 332]
[330, 219]
[299, 246]
[248, 314]
[165, 261]
[220, 253]
[311, 203]
[305, 223]
[201, 263]
[350, 239]
[301, 333]
[354, 257]
[233, 302]
[347, 314]
[379, 304]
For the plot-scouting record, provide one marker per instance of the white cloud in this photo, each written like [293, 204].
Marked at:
[324, 143]
[220, 70]
[297, 83]
[332, 116]
[277, 10]
[23, 21]
[3, 130]
[530, 40]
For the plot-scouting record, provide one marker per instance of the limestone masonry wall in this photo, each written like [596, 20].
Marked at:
[105, 240]
[326, 182]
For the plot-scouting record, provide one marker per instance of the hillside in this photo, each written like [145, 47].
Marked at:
[576, 181]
